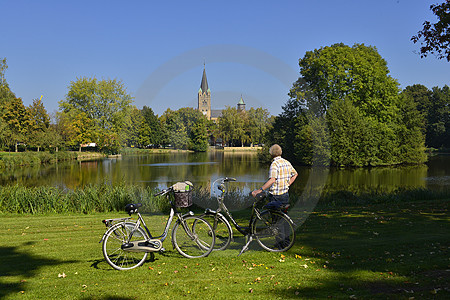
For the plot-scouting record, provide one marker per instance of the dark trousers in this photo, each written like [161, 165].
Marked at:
[276, 201]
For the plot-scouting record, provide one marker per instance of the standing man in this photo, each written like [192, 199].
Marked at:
[281, 176]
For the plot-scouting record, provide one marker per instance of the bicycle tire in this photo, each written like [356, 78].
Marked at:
[222, 229]
[274, 231]
[115, 237]
[193, 237]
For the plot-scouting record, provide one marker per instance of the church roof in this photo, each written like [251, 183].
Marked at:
[241, 101]
[204, 84]
[216, 113]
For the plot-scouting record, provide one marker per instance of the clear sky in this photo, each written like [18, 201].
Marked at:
[158, 48]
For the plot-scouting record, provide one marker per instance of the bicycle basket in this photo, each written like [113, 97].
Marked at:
[183, 194]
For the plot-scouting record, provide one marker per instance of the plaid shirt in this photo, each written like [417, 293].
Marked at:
[282, 171]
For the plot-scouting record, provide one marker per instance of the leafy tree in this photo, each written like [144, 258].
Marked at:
[39, 116]
[179, 126]
[438, 125]
[435, 38]
[199, 136]
[151, 132]
[104, 104]
[231, 125]
[421, 96]
[336, 72]
[352, 88]
[18, 119]
[259, 120]
[284, 131]
[410, 131]
[133, 129]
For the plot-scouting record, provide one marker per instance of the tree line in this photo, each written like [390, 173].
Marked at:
[345, 110]
[101, 112]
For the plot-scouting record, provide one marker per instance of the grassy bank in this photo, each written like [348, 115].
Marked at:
[19, 159]
[381, 251]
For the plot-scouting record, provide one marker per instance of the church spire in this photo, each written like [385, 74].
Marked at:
[204, 84]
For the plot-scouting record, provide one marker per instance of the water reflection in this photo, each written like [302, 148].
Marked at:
[160, 170]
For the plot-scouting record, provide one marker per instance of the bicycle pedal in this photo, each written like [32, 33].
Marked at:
[162, 250]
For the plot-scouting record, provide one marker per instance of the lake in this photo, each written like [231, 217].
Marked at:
[161, 170]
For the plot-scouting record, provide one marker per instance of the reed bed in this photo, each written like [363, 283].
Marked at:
[12, 160]
[90, 199]
[107, 198]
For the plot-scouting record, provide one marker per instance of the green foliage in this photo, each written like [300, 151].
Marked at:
[96, 111]
[438, 125]
[435, 38]
[350, 90]
[90, 199]
[231, 126]
[434, 109]
[14, 160]
[185, 129]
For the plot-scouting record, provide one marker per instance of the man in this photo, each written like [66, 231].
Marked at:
[281, 176]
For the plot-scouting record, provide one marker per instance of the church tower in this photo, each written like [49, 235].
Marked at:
[204, 97]
[241, 105]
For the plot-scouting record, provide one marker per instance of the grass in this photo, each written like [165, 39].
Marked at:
[370, 251]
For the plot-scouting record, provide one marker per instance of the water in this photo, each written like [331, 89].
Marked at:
[161, 170]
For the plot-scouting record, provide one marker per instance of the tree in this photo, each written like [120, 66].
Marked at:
[258, 122]
[98, 110]
[39, 116]
[231, 125]
[337, 72]
[435, 38]
[438, 123]
[351, 87]
[151, 132]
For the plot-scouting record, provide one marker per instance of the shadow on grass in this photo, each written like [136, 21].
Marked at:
[101, 264]
[15, 262]
[383, 251]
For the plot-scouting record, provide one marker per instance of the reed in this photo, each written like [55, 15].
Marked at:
[107, 198]
[13, 160]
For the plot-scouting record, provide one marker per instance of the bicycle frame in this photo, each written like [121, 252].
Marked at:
[151, 244]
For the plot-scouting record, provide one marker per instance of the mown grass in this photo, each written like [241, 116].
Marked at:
[384, 250]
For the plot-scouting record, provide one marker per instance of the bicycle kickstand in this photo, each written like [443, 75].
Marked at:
[249, 240]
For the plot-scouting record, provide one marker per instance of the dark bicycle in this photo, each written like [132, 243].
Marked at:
[272, 228]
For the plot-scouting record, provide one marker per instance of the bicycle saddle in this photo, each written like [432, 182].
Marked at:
[132, 208]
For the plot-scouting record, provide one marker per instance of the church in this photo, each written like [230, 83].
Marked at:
[204, 101]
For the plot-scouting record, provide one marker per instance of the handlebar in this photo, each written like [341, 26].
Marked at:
[163, 192]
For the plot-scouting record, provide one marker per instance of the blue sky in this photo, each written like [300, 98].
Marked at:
[158, 48]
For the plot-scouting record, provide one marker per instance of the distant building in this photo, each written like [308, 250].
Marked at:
[241, 105]
[204, 100]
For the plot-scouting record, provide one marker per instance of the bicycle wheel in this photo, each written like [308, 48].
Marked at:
[222, 229]
[115, 237]
[274, 231]
[193, 238]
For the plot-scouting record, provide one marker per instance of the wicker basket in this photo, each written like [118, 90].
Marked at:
[183, 194]
[183, 199]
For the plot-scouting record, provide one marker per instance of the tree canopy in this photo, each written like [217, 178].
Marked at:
[435, 37]
[97, 111]
[346, 109]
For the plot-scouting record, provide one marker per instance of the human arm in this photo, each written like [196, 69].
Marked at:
[264, 187]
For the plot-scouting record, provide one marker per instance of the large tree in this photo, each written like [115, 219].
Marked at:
[435, 37]
[352, 88]
[232, 126]
[105, 104]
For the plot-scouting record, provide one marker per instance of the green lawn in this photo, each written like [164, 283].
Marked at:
[396, 251]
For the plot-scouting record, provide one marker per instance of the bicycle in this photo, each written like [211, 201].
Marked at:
[126, 244]
[272, 228]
